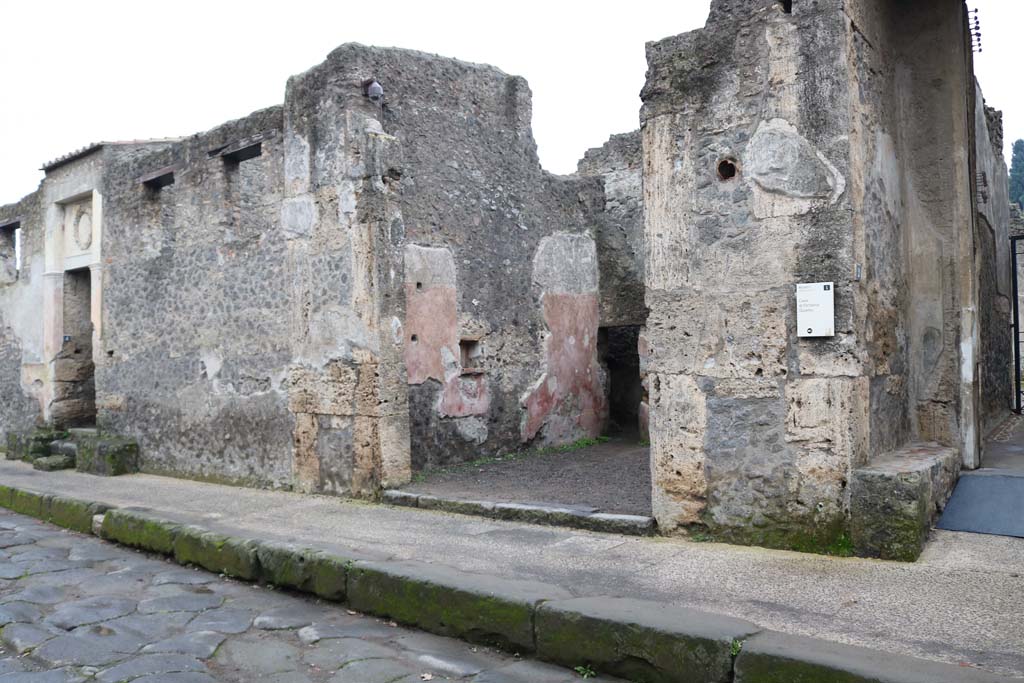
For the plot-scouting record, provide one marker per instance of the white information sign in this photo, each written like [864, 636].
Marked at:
[815, 310]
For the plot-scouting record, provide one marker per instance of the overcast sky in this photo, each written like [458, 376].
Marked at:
[77, 72]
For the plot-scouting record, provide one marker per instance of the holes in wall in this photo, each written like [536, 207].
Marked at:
[470, 355]
[244, 154]
[727, 169]
[414, 338]
[419, 286]
[158, 179]
[787, 6]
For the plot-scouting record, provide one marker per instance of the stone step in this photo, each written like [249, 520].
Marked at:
[64, 447]
[106, 455]
[895, 498]
[49, 463]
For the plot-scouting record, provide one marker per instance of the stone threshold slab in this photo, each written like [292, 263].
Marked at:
[636, 639]
[549, 515]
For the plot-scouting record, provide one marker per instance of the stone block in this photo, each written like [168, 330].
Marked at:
[403, 498]
[28, 503]
[17, 446]
[640, 640]
[226, 555]
[64, 447]
[448, 602]
[50, 463]
[286, 564]
[73, 514]
[107, 456]
[770, 657]
[894, 499]
[330, 576]
[138, 530]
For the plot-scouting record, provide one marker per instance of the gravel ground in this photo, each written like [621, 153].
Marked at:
[74, 608]
[614, 476]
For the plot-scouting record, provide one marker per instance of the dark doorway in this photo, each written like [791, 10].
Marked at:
[621, 359]
[74, 400]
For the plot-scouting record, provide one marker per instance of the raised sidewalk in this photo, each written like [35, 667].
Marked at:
[764, 611]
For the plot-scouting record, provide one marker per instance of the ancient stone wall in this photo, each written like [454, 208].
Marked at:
[620, 230]
[21, 368]
[746, 161]
[995, 290]
[197, 339]
[811, 142]
[485, 331]
[273, 292]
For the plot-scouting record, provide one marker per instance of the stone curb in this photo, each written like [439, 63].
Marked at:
[549, 515]
[639, 639]
[770, 657]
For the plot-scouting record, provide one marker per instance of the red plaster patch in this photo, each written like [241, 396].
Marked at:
[569, 399]
[431, 316]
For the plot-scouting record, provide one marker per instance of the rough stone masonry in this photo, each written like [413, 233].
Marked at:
[332, 294]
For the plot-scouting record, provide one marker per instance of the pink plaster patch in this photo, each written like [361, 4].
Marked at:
[431, 323]
[431, 316]
[569, 399]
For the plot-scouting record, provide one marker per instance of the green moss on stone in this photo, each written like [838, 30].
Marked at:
[73, 514]
[761, 668]
[819, 536]
[218, 553]
[287, 565]
[443, 609]
[330, 576]
[28, 503]
[140, 531]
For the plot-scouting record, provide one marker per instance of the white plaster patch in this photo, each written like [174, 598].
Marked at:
[298, 216]
[296, 164]
[780, 160]
[347, 199]
[472, 429]
[566, 263]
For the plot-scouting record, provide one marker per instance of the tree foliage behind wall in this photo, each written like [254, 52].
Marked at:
[1017, 174]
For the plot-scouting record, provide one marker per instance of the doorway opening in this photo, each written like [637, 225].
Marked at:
[619, 352]
[74, 401]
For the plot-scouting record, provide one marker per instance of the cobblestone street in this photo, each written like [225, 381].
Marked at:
[74, 608]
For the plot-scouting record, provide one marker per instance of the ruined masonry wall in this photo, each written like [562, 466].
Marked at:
[753, 431]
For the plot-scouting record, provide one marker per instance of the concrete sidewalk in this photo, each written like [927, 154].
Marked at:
[961, 603]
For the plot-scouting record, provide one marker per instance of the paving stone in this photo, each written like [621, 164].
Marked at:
[22, 637]
[19, 612]
[112, 637]
[184, 602]
[201, 644]
[56, 676]
[336, 652]
[16, 539]
[294, 616]
[150, 664]
[223, 619]
[183, 576]
[529, 672]
[151, 627]
[94, 552]
[11, 571]
[373, 671]
[9, 664]
[70, 650]
[258, 656]
[40, 595]
[90, 611]
[181, 677]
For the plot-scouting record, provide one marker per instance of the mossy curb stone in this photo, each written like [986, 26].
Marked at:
[219, 553]
[139, 530]
[771, 657]
[448, 602]
[640, 640]
[74, 514]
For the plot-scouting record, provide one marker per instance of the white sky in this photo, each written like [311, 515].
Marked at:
[74, 72]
